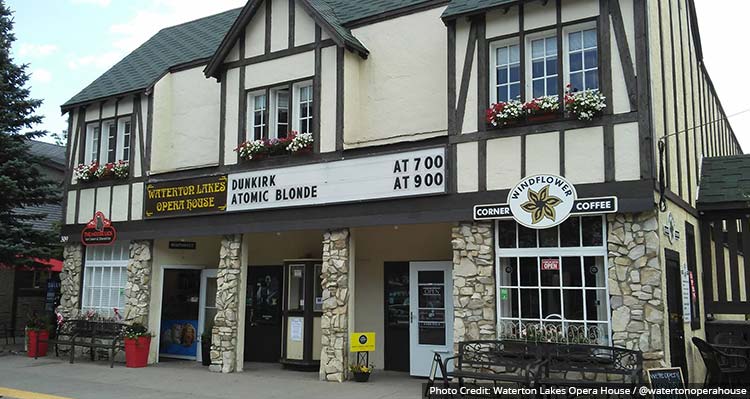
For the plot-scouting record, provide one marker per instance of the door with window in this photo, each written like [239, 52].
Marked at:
[430, 314]
[207, 308]
[263, 325]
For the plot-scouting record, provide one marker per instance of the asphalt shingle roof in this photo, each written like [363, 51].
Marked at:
[200, 39]
[53, 153]
[171, 46]
[460, 7]
[724, 180]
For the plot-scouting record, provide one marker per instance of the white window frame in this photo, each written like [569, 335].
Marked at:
[553, 252]
[566, 51]
[117, 263]
[273, 112]
[295, 114]
[104, 152]
[250, 129]
[494, 46]
[92, 143]
[529, 83]
[120, 151]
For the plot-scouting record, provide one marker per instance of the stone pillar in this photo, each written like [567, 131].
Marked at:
[635, 276]
[138, 286]
[473, 282]
[70, 280]
[224, 333]
[334, 322]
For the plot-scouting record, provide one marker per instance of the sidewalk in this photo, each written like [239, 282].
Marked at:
[184, 379]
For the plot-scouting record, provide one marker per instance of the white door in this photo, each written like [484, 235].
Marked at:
[207, 308]
[430, 314]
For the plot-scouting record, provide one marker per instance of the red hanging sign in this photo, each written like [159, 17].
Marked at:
[550, 264]
[98, 231]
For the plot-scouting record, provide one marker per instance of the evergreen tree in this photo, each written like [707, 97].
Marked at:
[21, 184]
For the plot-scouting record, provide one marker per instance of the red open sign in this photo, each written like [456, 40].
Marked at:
[550, 264]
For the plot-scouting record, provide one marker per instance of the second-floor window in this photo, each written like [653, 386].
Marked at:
[580, 64]
[108, 141]
[274, 112]
[543, 64]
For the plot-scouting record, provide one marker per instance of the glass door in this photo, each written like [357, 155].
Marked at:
[430, 314]
[207, 307]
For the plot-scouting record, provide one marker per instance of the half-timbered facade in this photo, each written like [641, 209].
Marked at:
[282, 175]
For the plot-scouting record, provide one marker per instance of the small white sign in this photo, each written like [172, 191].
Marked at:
[686, 296]
[542, 201]
[403, 174]
[295, 328]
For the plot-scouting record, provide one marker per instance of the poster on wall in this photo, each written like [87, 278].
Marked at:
[179, 338]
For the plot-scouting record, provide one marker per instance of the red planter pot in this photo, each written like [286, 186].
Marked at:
[36, 336]
[136, 351]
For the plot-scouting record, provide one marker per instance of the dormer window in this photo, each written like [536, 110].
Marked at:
[108, 141]
[275, 111]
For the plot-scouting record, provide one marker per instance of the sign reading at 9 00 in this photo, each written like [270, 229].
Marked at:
[384, 176]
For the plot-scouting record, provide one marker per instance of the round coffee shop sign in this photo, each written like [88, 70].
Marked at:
[542, 201]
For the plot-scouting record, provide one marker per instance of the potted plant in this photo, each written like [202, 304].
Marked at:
[361, 372]
[300, 143]
[206, 348]
[585, 105]
[137, 344]
[504, 113]
[542, 108]
[37, 334]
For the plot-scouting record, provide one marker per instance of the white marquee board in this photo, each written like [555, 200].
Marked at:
[405, 174]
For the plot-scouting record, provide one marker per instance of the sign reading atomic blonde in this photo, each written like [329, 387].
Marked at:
[186, 197]
[404, 174]
[541, 201]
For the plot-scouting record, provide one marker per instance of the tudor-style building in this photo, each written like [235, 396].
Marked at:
[372, 227]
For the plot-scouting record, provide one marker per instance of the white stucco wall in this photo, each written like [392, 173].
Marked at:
[255, 33]
[503, 162]
[296, 66]
[136, 202]
[579, 9]
[279, 24]
[86, 205]
[120, 203]
[304, 26]
[185, 122]
[467, 167]
[500, 23]
[402, 83]
[627, 160]
[543, 153]
[328, 65]
[584, 155]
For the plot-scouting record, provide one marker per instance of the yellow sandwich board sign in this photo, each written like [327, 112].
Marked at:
[362, 342]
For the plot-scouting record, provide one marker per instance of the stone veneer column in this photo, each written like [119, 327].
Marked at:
[635, 280]
[70, 280]
[138, 286]
[334, 322]
[473, 282]
[224, 333]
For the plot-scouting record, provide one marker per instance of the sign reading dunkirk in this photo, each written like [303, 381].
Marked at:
[384, 176]
[186, 197]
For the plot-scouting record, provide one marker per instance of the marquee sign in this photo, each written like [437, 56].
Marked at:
[98, 231]
[544, 201]
[405, 174]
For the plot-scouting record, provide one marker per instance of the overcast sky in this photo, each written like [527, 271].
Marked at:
[69, 43]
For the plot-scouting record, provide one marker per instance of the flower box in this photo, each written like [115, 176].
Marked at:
[95, 171]
[543, 117]
[361, 376]
[295, 143]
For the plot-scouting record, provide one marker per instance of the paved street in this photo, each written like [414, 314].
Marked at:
[25, 378]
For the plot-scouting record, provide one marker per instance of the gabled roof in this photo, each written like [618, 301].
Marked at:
[170, 47]
[458, 8]
[331, 15]
[724, 180]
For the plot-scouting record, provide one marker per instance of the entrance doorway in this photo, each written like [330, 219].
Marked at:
[674, 309]
[430, 314]
[396, 286]
[179, 327]
[263, 327]
[207, 308]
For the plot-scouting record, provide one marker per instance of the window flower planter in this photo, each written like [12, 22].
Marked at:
[295, 143]
[95, 171]
[585, 105]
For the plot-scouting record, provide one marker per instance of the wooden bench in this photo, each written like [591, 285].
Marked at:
[107, 335]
